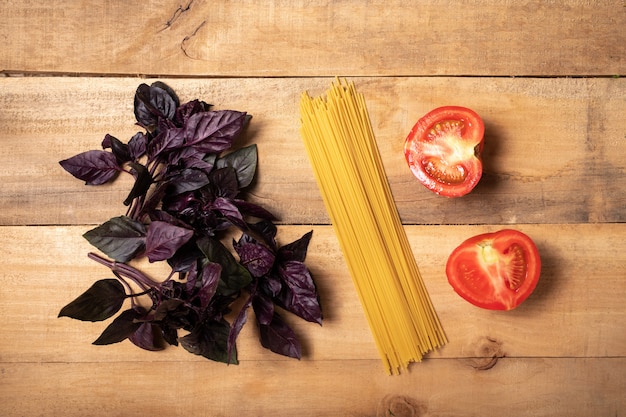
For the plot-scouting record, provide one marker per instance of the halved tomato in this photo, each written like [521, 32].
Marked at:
[497, 271]
[444, 149]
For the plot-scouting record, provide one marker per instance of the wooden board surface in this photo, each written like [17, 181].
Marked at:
[547, 77]
[553, 154]
[312, 38]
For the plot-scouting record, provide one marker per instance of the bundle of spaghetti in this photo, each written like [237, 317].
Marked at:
[341, 146]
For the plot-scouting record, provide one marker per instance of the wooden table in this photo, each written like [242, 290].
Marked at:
[547, 77]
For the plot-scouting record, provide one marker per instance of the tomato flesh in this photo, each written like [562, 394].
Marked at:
[496, 271]
[443, 150]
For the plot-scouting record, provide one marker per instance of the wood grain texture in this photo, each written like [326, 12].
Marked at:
[545, 387]
[546, 76]
[553, 154]
[567, 341]
[546, 325]
[313, 38]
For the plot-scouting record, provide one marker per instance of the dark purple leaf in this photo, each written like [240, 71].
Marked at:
[166, 141]
[214, 131]
[210, 339]
[209, 280]
[137, 145]
[270, 285]
[224, 181]
[147, 337]
[153, 103]
[186, 110]
[164, 239]
[188, 157]
[236, 327]
[192, 280]
[296, 250]
[267, 230]
[101, 301]
[252, 209]
[121, 328]
[190, 179]
[143, 181]
[185, 257]
[299, 294]
[169, 333]
[243, 161]
[234, 276]
[263, 309]
[119, 149]
[279, 338]
[120, 238]
[257, 259]
[94, 167]
[230, 211]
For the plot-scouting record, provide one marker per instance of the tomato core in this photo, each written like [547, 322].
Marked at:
[443, 150]
[495, 270]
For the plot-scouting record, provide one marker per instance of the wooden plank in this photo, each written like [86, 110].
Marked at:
[554, 147]
[314, 38]
[574, 311]
[515, 387]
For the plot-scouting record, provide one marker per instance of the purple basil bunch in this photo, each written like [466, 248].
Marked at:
[186, 203]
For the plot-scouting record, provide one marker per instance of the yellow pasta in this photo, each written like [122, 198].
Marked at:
[341, 146]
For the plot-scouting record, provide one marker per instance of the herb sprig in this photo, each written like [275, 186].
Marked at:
[187, 198]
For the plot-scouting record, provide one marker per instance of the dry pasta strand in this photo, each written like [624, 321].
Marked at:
[341, 146]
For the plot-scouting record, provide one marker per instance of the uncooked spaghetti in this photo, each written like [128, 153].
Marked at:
[340, 142]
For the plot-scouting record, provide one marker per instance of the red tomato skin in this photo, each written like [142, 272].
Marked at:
[471, 280]
[416, 155]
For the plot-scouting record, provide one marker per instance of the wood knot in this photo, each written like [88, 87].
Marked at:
[485, 353]
[399, 406]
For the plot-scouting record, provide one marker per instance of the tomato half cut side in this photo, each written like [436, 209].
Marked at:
[496, 271]
[443, 150]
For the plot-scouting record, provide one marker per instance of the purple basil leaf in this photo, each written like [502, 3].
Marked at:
[185, 257]
[101, 301]
[192, 280]
[188, 157]
[299, 294]
[271, 285]
[224, 181]
[168, 307]
[94, 167]
[120, 238]
[190, 179]
[263, 309]
[257, 258]
[166, 141]
[209, 280]
[252, 209]
[186, 110]
[243, 161]
[169, 333]
[266, 229]
[164, 239]
[153, 200]
[119, 149]
[121, 328]
[279, 338]
[147, 337]
[214, 131]
[137, 145]
[236, 327]
[143, 181]
[210, 339]
[230, 211]
[234, 276]
[296, 250]
[153, 103]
